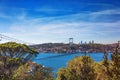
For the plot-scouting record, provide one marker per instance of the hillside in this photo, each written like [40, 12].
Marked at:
[65, 48]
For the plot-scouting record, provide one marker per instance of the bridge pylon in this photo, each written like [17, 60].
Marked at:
[71, 42]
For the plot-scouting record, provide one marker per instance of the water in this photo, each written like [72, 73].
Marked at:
[56, 61]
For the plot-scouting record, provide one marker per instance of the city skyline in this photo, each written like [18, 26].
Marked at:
[44, 21]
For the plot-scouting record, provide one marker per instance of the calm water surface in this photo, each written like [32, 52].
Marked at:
[56, 61]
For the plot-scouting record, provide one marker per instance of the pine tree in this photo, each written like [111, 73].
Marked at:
[80, 68]
[116, 64]
[106, 64]
[87, 70]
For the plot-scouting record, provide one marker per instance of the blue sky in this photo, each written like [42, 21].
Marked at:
[43, 21]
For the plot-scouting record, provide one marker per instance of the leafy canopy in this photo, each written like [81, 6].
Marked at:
[16, 50]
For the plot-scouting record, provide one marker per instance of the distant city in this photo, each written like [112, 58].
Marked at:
[71, 47]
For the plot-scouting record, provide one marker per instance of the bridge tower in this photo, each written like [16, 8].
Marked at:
[73, 50]
[71, 42]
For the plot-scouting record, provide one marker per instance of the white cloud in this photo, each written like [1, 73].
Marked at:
[48, 29]
[110, 11]
[4, 16]
[52, 10]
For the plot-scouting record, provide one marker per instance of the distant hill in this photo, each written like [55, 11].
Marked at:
[66, 48]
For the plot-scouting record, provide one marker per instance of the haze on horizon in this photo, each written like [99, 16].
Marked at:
[44, 21]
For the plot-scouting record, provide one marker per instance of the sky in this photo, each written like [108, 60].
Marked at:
[44, 21]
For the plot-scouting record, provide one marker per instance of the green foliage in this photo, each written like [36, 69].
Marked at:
[15, 63]
[112, 68]
[16, 50]
[13, 66]
[12, 55]
[106, 67]
[115, 64]
[84, 68]
[32, 71]
[64, 74]
[78, 69]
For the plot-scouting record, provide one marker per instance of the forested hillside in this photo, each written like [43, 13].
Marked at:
[66, 48]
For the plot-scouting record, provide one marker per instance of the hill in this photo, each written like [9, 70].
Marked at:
[66, 48]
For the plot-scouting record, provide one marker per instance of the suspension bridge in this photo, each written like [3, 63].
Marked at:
[4, 38]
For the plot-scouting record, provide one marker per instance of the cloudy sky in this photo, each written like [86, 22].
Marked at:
[41, 21]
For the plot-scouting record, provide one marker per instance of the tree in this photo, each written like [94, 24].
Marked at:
[12, 55]
[106, 65]
[80, 68]
[87, 69]
[84, 68]
[115, 64]
[112, 68]
[33, 71]
[16, 50]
